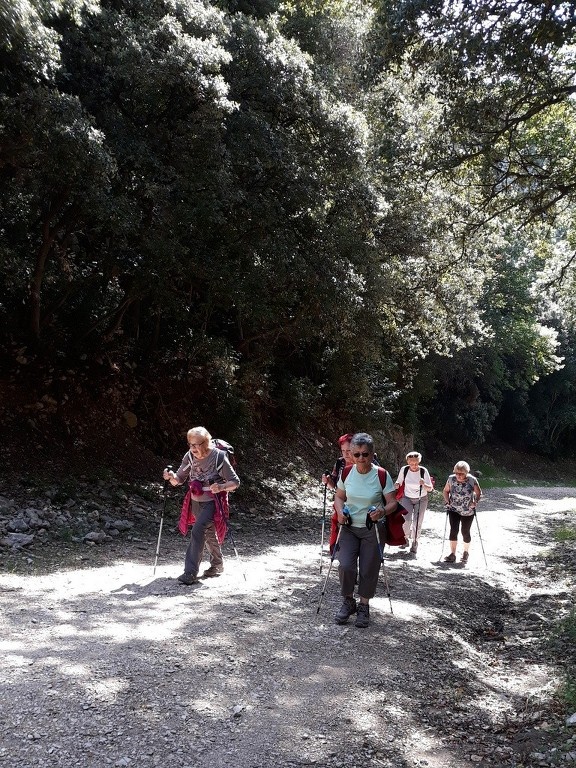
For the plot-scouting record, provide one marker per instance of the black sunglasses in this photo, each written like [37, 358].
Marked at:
[364, 454]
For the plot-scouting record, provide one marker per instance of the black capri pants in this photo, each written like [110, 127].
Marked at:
[457, 521]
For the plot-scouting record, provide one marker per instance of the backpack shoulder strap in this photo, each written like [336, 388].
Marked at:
[339, 467]
[421, 473]
[406, 468]
[220, 459]
[346, 472]
[382, 476]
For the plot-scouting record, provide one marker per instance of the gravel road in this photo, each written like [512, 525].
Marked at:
[106, 663]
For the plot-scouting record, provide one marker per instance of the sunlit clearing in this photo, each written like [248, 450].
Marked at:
[107, 690]
[552, 505]
[83, 581]
[121, 633]
[74, 670]
[9, 645]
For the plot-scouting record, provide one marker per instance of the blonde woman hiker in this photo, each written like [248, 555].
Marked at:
[210, 477]
[461, 496]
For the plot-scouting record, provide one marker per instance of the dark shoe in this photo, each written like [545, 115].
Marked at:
[363, 617]
[212, 572]
[188, 579]
[348, 608]
[464, 558]
[451, 558]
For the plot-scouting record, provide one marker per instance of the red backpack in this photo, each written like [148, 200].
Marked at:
[393, 523]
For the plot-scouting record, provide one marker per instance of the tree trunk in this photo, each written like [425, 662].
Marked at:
[38, 277]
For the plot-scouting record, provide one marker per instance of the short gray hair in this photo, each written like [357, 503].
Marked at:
[363, 438]
[462, 466]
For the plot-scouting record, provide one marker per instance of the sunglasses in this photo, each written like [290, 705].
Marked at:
[412, 456]
[364, 454]
[196, 445]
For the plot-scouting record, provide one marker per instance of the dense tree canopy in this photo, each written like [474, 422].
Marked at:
[298, 209]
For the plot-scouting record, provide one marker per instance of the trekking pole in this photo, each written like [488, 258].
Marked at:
[229, 533]
[384, 571]
[415, 539]
[166, 486]
[444, 535]
[480, 537]
[323, 528]
[333, 555]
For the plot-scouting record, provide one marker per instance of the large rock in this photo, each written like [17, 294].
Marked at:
[17, 540]
[18, 525]
[96, 537]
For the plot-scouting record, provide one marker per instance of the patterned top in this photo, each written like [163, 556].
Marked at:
[462, 495]
[213, 468]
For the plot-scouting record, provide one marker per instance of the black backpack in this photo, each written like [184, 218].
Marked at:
[432, 478]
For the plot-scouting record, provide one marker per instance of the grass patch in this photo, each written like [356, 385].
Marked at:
[493, 474]
[564, 643]
[567, 693]
[567, 627]
[565, 533]
[489, 475]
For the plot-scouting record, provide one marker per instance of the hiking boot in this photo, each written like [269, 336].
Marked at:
[188, 579]
[414, 547]
[212, 572]
[464, 558]
[348, 608]
[363, 617]
[451, 558]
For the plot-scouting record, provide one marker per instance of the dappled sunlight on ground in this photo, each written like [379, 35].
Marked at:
[248, 653]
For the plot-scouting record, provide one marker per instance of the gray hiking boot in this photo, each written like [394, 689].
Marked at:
[363, 617]
[188, 579]
[348, 608]
[414, 547]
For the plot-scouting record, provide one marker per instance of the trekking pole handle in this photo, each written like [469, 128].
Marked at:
[167, 481]
[369, 521]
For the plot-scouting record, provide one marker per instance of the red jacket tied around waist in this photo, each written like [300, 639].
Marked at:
[221, 511]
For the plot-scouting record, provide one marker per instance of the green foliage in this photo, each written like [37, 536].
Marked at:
[292, 210]
[566, 630]
[567, 533]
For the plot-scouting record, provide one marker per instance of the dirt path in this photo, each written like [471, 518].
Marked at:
[110, 665]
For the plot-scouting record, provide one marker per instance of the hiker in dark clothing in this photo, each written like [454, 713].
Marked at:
[461, 495]
[210, 476]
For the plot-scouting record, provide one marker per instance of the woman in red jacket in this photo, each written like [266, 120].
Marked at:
[330, 480]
